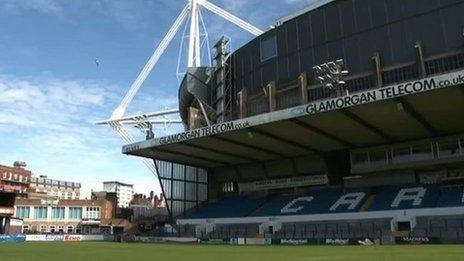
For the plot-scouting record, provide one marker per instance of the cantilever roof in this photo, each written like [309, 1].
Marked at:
[420, 109]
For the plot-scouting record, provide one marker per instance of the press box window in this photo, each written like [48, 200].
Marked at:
[268, 47]
[360, 159]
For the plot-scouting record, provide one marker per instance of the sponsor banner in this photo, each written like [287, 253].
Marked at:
[355, 99]
[417, 240]
[214, 241]
[165, 239]
[44, 237]
[68, 238]
[337, 241]
[327, 241]
[75, 238]
[12, 238]
[258, 241]
[293, 242]
[284, 183]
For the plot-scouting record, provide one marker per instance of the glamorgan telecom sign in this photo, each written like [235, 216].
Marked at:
[369, 96]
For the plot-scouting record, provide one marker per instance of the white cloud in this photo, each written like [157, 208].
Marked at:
[43, 6]
[48, 122]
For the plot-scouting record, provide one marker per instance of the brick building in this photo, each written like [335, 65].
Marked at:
[64, 215]
[15, 179]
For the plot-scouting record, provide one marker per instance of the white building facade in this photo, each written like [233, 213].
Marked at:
[59, 216]
[57, 188]
[124, 192]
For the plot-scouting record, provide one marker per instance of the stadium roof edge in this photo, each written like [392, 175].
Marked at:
[303, 10]
[402, 113]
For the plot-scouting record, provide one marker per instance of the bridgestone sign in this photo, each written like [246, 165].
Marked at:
[355, 99]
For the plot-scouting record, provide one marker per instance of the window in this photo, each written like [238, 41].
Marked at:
[40, 212]
[268, 47]
[43, 228]
[401, 155]
[93, 213]
[422, 152]
[70, 229]
[75, 213]
[448, 149]
[228, 187]
[378, 158]
[52, 229]
[360, 158]
[25, 228]
[61, 229]
[57, 212]
[22, 212]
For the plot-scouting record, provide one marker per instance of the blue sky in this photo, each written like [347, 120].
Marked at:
[51, 90]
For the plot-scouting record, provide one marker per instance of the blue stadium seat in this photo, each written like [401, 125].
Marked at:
[238, 206]
[451, 197]
[322, 200]
[386, 196]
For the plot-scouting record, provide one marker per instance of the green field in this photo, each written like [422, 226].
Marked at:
[96, 251]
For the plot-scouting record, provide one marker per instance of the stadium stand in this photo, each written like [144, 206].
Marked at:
[381, 157]
[335, 200]
[237, 206]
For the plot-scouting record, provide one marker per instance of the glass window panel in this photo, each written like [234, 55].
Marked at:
[447, 149]
[202, 192]
[191, 191]
[202, 176]
[178, 171]
[378, 158]
[422, 152]
[268, 47]
[401, 155]
[360, 158]
[191, 173]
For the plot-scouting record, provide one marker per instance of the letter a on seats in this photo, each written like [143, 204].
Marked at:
[350, 199]
[289, 208]
[410, 194]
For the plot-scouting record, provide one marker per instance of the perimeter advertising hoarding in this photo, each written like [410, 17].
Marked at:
[12, 238]
[73, 238]
[44, 237]
[291, 241]
[417, 240]
[332, 104]
[69, 238]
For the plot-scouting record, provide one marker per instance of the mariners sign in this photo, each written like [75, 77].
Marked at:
[394, 91]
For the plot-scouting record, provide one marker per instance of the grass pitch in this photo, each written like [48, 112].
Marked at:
[104, 251]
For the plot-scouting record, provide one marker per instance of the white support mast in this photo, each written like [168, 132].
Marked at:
[194, 56]
[191, 12]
